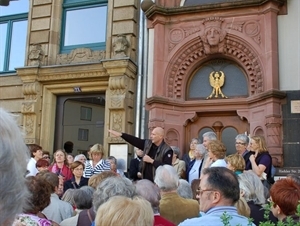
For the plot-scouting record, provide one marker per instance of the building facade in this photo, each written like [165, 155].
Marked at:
[225, 66]
[215, 66]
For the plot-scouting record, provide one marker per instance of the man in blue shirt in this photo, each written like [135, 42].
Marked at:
[217, 193]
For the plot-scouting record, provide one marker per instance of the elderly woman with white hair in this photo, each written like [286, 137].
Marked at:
[179, 165]
[14, 156]
[195, 166]
[252, 190]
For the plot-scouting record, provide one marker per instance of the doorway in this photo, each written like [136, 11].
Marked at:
[79, 119]
[225, 124]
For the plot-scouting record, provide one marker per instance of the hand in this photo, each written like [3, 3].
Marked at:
[252, 158]
[115, 133]
[147, 158]
[139, 175]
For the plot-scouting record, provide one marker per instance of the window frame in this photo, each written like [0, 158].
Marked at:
[69, 5]
[9, 20]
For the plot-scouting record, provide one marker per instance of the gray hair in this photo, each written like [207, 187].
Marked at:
[184, 189]
[113, 158]
[82, 199]
[150, 192]
[201, 149]
[166, 178]
[252, 187]
[76, 158]
[14, 155]
[210, 135]
[243, 138]
[112, 186]
[68, 196]
[88, 189]
[176, 150]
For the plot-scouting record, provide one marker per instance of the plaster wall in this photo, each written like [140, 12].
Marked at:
[289, 47]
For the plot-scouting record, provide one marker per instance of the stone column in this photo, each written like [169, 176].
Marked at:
[120, 98]
[31, 108]
[273, 139]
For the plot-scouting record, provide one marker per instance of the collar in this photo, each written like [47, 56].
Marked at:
[222, 209]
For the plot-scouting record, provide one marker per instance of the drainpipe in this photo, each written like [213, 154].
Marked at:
[141, 80]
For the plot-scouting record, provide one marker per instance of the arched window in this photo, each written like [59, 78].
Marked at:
[235, 84]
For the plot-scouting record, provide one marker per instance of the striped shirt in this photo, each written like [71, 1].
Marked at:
[102, 165]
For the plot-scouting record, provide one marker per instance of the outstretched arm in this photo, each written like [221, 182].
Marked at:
[135, 141]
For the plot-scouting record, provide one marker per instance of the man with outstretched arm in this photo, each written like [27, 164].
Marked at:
[156, 151]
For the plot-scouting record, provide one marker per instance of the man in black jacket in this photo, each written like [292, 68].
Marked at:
[134, 168]
[156, 151]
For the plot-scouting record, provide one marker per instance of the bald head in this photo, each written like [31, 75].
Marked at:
[157, 135]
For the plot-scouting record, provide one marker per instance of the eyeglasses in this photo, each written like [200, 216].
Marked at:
[271, 202]
[46, 157]
[239, 143]
[199, 191]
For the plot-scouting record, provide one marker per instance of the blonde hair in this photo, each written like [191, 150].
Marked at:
[217, 148]
[97, 148]
[260, 140]
[243, 207]
[98, 178]
[119, 209]
[236, 161]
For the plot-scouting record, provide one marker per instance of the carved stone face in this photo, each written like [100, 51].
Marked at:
[213, 36]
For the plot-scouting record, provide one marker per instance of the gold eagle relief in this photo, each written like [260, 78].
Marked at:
[216, 81]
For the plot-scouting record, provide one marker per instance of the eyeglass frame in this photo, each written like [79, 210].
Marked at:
[239, 143]
[199, 191]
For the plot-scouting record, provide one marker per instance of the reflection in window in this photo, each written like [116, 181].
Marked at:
[13, 33]
[15, 7]
[18, 44]
[84, 25]
[82, 21]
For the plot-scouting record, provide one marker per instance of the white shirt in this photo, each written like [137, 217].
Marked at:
[31, 167]
[219, 162]
[194, 172]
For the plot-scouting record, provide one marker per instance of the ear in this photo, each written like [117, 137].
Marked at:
[242, 193]
[216, 197]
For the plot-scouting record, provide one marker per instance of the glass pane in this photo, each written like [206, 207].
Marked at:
[15, 7]
[18, 44]
[228, 138]
[3, 31]
[85, 26]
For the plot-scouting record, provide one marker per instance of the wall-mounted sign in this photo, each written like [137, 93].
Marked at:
[295, 106]
[287, 170]
[77, 89]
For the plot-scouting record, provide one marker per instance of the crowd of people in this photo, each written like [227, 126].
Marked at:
[204, 187]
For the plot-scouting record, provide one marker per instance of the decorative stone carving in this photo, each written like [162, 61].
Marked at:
[27, 108]
[252, 29]
[35, 55]
[172, 137]
[80, 55]
[29, 124]
[237, 26]
[120, 46]
[176, 35]
[116, 122]
[194, 52]
[213, 35]
[273, 125]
